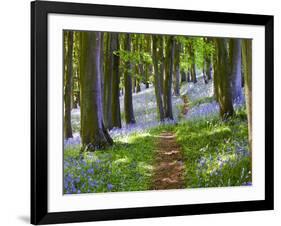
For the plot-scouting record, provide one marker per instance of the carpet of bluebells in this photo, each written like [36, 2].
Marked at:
[145, 111]
[215, 151]
[126, 166]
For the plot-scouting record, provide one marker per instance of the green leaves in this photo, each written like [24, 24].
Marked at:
[195, 50]
[135, 57]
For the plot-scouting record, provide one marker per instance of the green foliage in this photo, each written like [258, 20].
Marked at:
[201, 47]
[184, 62]
[135, 57]
[209, 48]
[199, 51]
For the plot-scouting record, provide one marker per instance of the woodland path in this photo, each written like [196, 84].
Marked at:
[169, 164]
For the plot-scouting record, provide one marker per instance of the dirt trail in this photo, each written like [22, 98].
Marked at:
[169, 165]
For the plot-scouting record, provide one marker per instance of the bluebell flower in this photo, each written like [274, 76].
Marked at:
[109, 187]
[93, 183]
[83, 162]
[247, 184]
[90, 171]
[77, 180]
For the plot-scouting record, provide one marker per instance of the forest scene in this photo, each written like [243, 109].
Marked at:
[155, 112]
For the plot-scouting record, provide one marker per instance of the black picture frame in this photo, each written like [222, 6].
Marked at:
[39, 112]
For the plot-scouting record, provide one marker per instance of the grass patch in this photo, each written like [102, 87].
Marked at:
[216, 152]
[126, 166]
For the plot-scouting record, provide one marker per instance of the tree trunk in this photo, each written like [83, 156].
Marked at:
[138, 89]
[128, 99]
[205, 77]
[68, 70]
[75, 80]
[141, 70]
[193, 66]
[236, 55]
[93, 133]
[177, 70]
[183, 76]
[223, 79]
[247, 67]
[102, 67]
[168, 77]
[148, 68]
[116, 115]
[162, 64]
[208, 68]
[157, 81]
[193, 74]
[108, 77]
[76, 85]
[208, 61]
[189, 75]
[141, 65]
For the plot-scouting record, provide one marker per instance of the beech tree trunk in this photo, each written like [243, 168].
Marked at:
[183, 76]
[208, 69]
[93, 133]
[247, 67]
[236, 55]
[168, 77]
[162, 64]
[128, 99]
[204, 71]
[116, 115]
[157, 81]
[68, 73]
[147, 66]
[177, 70]
[189, 75]
[223, 79]
[208, 61]
[108, 80]
[193, 66]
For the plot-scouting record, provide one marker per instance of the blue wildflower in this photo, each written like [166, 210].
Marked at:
[93, 183]
[90, 171]
[247, 184]
[109, 187]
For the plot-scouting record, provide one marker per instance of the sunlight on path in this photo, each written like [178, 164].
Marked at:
[169, 165]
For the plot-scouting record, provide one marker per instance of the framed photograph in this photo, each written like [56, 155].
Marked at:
[144, 112]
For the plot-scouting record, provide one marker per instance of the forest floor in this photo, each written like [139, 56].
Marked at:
[200, 104]
[196, 149]
[168, 170]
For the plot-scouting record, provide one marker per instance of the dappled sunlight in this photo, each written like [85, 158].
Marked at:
[145, 167]
[121, 167]
[121, 161]
[222, 132]
[217, 152]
